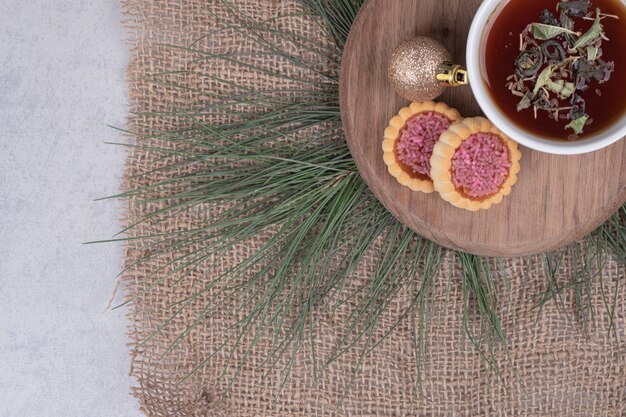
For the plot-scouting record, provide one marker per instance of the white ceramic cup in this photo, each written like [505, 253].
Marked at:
[488, 11]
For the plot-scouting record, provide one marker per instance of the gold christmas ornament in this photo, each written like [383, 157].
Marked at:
[420, 69]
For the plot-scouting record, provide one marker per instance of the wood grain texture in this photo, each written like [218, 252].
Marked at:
[557, 199]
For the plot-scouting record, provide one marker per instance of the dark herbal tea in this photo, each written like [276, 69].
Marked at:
[556, 68]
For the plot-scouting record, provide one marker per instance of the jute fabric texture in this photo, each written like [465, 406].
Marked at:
[557, 367]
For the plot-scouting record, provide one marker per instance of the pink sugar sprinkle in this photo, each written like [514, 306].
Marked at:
[480, 165]
[418, 138]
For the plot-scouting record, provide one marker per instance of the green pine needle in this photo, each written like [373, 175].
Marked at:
[280, 164]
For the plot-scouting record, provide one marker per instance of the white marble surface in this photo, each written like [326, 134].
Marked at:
[62, 68]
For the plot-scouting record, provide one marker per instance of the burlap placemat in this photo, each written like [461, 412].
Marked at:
[554, 370]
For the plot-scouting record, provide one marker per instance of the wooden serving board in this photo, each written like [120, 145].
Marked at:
[557, 198]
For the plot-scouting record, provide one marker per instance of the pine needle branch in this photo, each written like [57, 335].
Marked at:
[275, 166]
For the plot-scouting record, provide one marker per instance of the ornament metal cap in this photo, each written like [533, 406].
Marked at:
[451, 75]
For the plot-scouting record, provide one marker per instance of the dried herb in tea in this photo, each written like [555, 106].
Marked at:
[560, 82]
[571, 64]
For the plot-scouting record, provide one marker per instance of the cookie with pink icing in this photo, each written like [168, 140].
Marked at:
[474, 165]
[409, 141]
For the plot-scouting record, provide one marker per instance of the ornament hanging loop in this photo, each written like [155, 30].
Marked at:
[451, 75]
